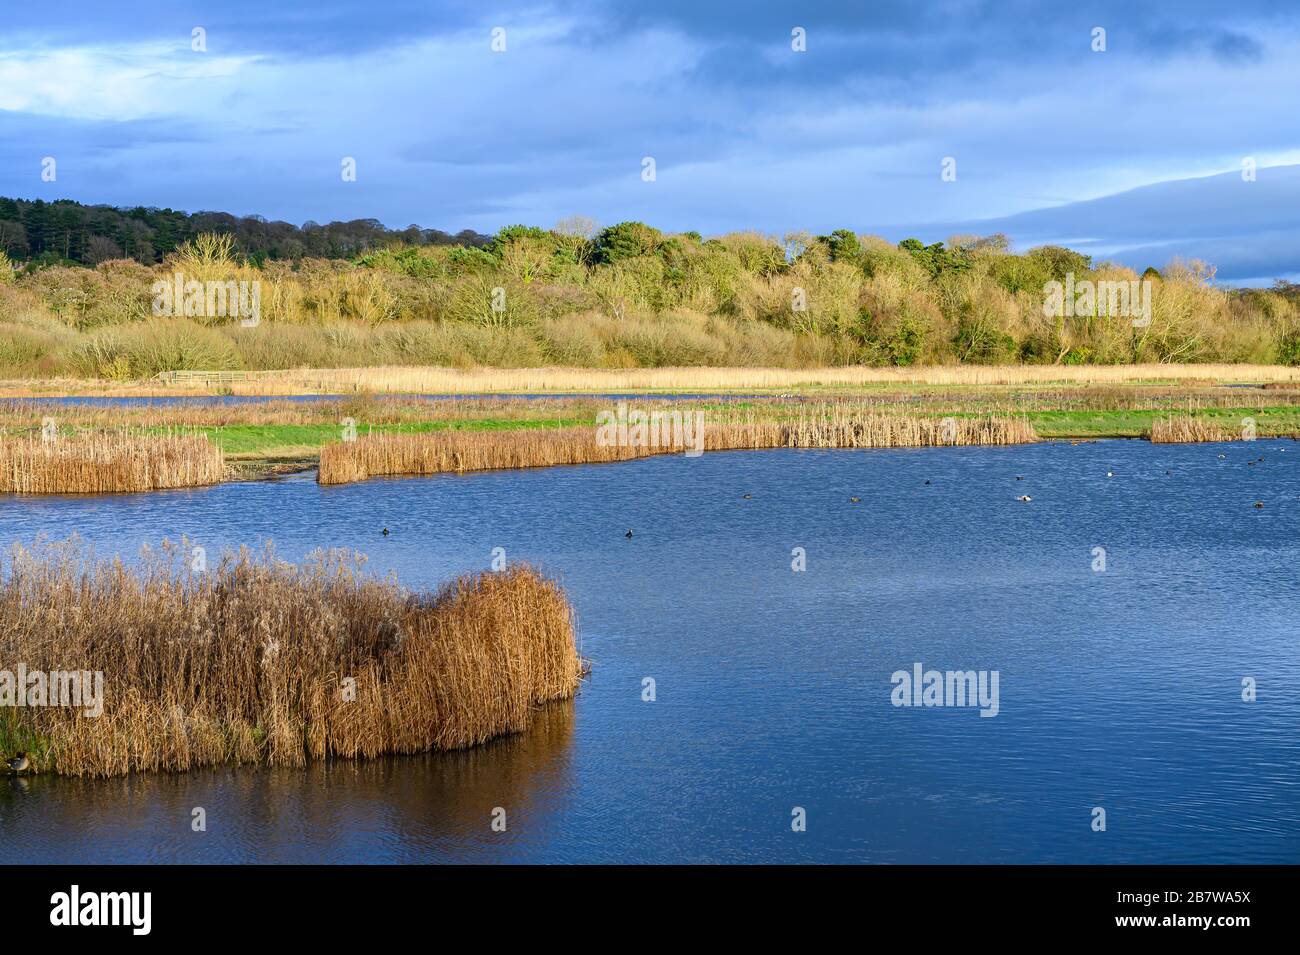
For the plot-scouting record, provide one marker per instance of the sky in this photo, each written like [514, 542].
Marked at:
[483, 114]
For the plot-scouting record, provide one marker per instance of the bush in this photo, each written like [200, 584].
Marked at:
[145, 349]
[1288, 350]
[626, 240]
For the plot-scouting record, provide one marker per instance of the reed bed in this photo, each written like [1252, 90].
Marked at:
[260, 661]
[422, 379]
[440, 380]
[1187, 429]
[833, 427]
[371, 410]
[107, 463]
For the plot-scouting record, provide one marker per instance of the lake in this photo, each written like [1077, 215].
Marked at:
[1118, 688]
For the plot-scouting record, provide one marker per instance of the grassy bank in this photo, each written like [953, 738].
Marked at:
[258, 661]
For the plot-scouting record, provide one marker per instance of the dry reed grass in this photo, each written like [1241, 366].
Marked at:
[1186, 429]
[832, 426]
[107, 463]
[428, 380]
[250, 662]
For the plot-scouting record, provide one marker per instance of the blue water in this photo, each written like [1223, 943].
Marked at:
[1119, 689]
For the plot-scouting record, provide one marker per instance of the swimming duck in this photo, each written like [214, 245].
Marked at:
[854, 500]
[1024, 497]
[385, 531]
[927, 483]
[628, 535]
[1259, 504]
[747, 496]
[1110, 474]
[18, 764]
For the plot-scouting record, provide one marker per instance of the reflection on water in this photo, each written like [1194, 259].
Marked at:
[1119, 689]
[399, 809]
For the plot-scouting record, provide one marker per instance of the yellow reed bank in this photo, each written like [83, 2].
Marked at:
[259, 661]
[396, 379]
[1185, 429]
[459, 451]
[107, 463]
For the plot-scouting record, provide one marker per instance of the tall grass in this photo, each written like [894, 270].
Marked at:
[260, 661]
[824, 427]
[107, 463]
[443, 380]
[1186, 429]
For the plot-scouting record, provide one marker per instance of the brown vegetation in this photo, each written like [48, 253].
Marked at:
[258, 661]
[1185, 429]
[107, 463]
[827, 426]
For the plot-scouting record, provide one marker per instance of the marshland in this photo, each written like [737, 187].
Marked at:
[769, 684]
[125, 443]
[451, 605]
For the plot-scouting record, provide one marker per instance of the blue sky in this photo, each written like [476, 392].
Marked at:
[1052, 140]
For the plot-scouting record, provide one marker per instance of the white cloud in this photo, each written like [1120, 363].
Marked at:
[123, 83]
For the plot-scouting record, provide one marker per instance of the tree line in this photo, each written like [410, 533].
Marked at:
[68, 232]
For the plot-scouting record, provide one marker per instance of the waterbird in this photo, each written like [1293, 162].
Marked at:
[18, 764]
[854, 500]
[385, 531]
[1110, 474]
[1020, 477]
[1024, 497]
[1222, 456]
[628, 535]
[747, 496]
[1259, 504]
[927, 482]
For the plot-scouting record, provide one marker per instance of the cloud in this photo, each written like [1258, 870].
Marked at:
[1247, 228]
[124, 84]
[746, 132]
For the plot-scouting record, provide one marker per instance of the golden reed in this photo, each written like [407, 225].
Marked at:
[106, 463]
[458, 451]
[442, 380]
[260, 661]
[1185, 429]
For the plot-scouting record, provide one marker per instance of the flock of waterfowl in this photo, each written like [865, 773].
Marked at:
[1025, 498]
